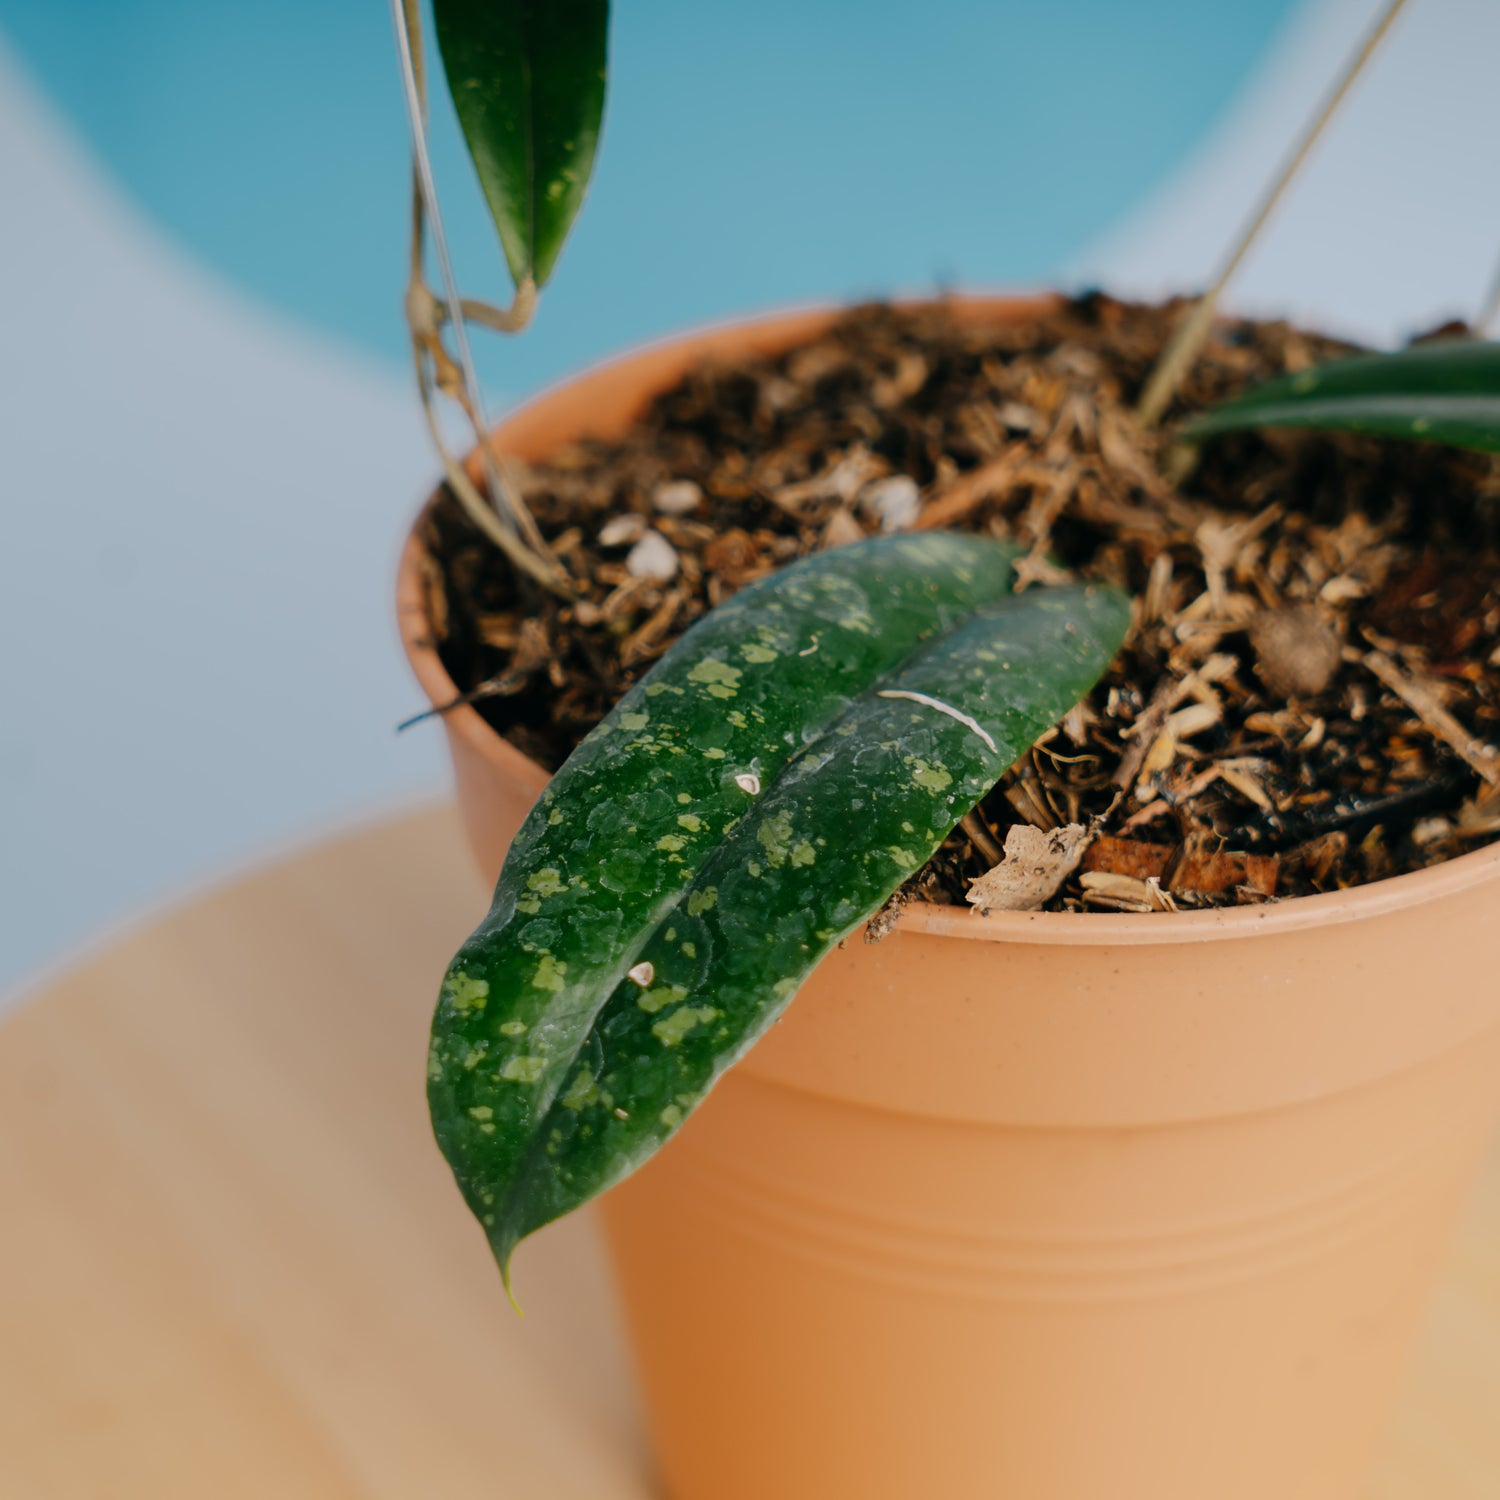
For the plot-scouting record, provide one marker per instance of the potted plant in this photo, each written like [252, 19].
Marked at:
[1127, 1176]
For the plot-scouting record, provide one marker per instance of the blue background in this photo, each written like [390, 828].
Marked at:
[752, 155]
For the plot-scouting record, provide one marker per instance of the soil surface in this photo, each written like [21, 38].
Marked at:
[1310, 692]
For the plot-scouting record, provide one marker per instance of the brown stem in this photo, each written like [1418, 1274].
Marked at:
[1428, 707]
[508, 522]
[513, 319]
[973, 825]
[1183, 349]
[474, 505]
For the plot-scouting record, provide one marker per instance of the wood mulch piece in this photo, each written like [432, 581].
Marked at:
[1310, 694]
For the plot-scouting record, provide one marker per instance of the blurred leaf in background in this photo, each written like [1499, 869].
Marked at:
[1447, 391]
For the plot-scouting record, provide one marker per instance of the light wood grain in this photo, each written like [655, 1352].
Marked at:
[232, 1263]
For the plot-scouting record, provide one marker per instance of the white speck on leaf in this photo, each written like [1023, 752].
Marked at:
[749, 783]
[942, 708]
[643, 973]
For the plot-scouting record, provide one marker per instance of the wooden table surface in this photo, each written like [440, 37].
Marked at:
[232, 1263]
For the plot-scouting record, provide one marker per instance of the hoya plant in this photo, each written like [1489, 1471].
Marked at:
[752, 800]
[759, 794]
[798, 753]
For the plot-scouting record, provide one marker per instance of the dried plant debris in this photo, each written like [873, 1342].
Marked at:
[1310, 694]
[1032, 870]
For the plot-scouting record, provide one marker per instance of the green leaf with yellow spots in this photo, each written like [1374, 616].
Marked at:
[747, 804]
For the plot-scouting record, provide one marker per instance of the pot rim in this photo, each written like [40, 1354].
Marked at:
[1093, 929]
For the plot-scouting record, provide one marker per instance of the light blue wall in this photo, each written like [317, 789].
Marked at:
[753, 154]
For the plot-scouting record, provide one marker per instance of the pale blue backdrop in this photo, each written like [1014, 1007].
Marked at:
[752, 154]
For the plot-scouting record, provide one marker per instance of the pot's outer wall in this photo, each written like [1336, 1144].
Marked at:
[1103, 1208]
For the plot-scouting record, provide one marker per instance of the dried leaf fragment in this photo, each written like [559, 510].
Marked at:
[1133, 857]
[1206, 871]
[732, 555]
[1120, 892]
[1480, 816]
[1321, 856]
[1035, 865]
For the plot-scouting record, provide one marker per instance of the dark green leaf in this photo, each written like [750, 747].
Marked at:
[1444, 392]
[527, 79]
[747, 804]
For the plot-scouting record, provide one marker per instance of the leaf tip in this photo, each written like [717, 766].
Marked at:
[503, 1259]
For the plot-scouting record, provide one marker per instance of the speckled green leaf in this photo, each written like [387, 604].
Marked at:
[1443, 392]
[745, 805]
[527, 79]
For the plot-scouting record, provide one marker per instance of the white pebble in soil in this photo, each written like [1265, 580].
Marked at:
[677, 497]
[894, 502]
[620, 531]
[652, 557]
[841, 530]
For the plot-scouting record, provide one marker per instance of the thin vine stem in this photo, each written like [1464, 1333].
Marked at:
[509, 523]
[1490, 310]
[1180, 353]
[513, 319]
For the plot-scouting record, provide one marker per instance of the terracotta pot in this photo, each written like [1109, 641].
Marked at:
[1059, 1207]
